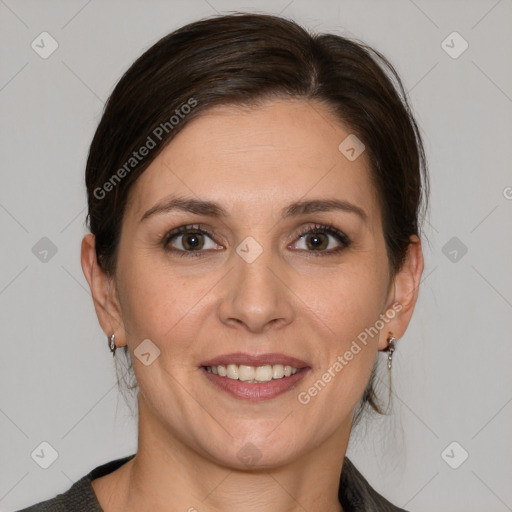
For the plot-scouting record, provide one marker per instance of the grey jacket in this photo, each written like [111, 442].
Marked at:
[355, 493]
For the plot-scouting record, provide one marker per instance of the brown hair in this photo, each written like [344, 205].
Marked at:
[242, 59]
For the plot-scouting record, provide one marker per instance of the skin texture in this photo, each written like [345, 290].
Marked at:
[253, 162]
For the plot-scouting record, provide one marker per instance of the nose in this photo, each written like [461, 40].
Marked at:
[257, 295]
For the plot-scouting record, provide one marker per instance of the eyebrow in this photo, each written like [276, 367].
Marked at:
[212, 209]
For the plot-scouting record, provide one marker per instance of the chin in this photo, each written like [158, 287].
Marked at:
[256, 451]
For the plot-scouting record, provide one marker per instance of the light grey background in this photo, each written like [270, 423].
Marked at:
[452, 377]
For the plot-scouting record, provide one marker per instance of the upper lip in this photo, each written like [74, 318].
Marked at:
[239, 358]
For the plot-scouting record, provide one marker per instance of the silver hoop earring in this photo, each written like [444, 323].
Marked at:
[112, 345]
[391, 349]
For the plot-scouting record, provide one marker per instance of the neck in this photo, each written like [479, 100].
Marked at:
[166, 471]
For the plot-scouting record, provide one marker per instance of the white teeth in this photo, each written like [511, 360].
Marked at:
[263, 373]
[277, 371]
[246, 373]
[251, 374]
[232, 371]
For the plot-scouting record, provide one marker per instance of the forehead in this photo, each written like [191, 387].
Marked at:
[262, 156]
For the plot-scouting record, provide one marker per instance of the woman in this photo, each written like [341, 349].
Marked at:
[254, 194]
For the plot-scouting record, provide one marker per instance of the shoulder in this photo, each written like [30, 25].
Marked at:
[80, 496]
[77, 498]
[357, 495]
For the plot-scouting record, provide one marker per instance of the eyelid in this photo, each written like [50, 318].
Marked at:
[183, 230]
[324, 228]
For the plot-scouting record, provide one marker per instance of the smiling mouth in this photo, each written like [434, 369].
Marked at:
[260, 384]
[253, 374]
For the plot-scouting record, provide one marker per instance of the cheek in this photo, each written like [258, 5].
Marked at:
[347, 300]
[347, 309]
[158, 304]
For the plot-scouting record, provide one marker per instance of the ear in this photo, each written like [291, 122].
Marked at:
[103, 291]
[403, 294]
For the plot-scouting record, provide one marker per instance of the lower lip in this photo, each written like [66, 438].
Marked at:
[255, 392]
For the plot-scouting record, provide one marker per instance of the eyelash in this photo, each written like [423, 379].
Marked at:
[314, 229]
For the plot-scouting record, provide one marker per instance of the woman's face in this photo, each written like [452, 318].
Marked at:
[261, 279]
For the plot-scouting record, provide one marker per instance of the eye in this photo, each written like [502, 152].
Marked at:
[316, 239]
[192, 241]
